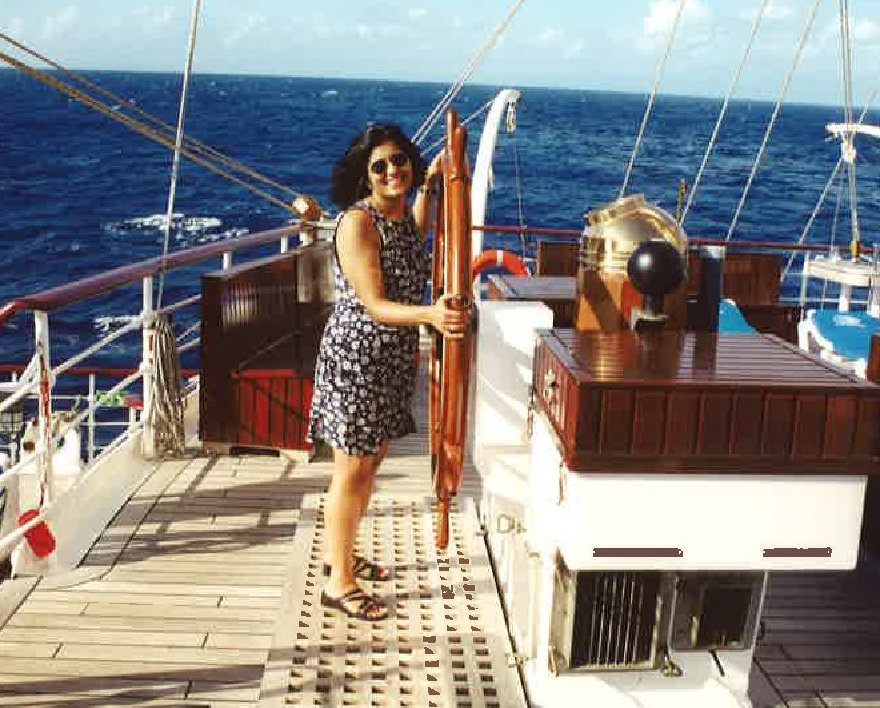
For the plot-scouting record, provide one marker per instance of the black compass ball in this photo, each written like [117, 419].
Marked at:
[655, 268]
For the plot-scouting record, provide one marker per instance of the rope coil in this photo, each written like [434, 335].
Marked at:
[165, 416]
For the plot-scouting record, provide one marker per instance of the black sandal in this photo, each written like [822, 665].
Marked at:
[365, 570]
[366, 604]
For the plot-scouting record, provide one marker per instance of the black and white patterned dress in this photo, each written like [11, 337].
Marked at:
[365, 373]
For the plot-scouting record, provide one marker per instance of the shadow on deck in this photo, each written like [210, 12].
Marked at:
[821, 640]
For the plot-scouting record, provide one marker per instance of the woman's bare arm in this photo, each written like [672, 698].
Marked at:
[358, 247]
[425, 195]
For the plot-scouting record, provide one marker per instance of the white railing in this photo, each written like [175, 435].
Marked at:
[39, 377]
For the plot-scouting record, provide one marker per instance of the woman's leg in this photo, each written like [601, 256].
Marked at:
[375, 461]
[351, 483]
[347, 502]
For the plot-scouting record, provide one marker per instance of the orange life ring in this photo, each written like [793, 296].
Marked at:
[498, 258]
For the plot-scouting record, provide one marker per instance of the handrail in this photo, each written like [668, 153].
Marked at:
[88, 370]
[70, 293]
[767, 245]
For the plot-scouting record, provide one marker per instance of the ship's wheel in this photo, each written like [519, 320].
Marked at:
[451, 358]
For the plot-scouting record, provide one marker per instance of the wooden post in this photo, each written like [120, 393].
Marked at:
[873, 370]
[455, 361]
[871, 518]
[148, 447]
[46, 434]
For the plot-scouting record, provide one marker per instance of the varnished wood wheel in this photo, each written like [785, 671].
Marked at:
[451, 358]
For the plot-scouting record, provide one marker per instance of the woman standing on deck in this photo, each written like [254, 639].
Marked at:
[365, 372]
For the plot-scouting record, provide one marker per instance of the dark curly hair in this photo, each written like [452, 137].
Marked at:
[349, 182]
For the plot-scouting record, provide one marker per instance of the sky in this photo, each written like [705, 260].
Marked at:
[581, 44]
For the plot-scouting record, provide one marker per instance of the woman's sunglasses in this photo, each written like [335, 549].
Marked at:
[379, 167]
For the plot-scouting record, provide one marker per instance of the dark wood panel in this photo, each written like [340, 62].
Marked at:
[687, 402]
[558, 293]
[779, 419]
[261, 326]
[781, 320]
[616, 425]
[714, 436]
[649, 422]
[749, 278]
[746, 423]
[840, 420]
[590, 407]
[557, 258]
[810, 416]
[682, 423]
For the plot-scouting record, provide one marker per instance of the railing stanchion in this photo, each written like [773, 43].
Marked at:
[148, 448]
[45, 438]
[227, 260]
[91, 424]
[805, 276]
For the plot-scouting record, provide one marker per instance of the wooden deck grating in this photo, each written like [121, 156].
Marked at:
[821, 640]
[193, 596]
[189, 596]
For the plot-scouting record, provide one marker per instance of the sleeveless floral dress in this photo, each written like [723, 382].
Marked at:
[365, 373]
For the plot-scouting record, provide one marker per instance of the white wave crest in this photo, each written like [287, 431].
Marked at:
[105, 323]
[229, 233]
[180, 223]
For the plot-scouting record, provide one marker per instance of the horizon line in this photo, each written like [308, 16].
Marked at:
[524, 87]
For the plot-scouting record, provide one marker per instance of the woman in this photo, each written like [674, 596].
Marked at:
[366, 363]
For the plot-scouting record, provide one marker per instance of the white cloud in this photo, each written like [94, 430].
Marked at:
[866, 31]
[557, 40]
[417, 13]
[247, 25]
[661, 15]
[776, 11]
[16, 27]
[154, 17]
[57, 25]
[573, 49]
[548, 37]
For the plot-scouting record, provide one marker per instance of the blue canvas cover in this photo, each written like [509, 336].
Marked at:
[848, 332]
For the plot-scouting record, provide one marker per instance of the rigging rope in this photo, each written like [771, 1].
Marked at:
[733, 84]
[864, 114]
[165, 416]
[847, 146]
[833, 235]
[782, 93]
[519, 198]
[657, 76]
[437, 143]
[138, 127]
[472, 66]
[126, 104]
[178, 144]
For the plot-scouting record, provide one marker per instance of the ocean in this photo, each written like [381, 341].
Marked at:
[77, 191]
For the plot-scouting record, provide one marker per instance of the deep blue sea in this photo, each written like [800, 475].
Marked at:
[75, 187]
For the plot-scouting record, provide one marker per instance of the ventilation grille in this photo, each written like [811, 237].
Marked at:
[615, 620]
